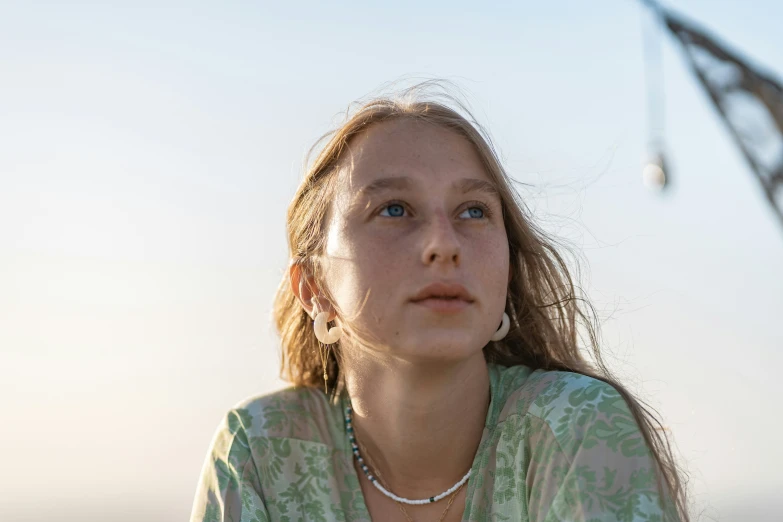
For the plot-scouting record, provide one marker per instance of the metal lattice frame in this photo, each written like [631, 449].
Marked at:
[749, 101]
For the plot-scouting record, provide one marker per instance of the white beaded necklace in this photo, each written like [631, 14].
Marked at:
[374, 481]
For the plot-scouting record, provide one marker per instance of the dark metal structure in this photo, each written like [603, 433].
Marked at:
[748, 100]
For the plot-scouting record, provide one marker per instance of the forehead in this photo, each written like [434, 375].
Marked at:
[422, 151]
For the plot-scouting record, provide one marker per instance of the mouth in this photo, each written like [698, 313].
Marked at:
[444, 297]
[443, 290]
[444, 305]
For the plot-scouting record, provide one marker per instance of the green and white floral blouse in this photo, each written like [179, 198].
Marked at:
[557, 446]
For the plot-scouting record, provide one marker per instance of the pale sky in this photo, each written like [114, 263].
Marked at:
[148, 152]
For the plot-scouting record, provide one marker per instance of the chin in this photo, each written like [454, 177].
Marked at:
[440, 349]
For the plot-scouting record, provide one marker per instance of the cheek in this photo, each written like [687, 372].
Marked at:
[490, 260]
[358, 264]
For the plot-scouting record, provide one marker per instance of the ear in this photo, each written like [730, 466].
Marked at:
[305, 288]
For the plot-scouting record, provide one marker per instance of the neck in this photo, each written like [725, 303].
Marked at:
[421, 423]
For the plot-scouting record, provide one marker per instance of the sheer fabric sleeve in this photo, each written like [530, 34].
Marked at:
[589, 461]
[229, 488]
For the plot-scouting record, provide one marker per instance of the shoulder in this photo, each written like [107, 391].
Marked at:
[578, 410]
[580, 450]
[255, 451]
[294, 413]
[543, 393]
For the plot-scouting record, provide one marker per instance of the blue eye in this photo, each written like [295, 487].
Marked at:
[394, 210]
[474, 212]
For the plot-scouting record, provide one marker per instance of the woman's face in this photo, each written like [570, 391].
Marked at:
[414, 207]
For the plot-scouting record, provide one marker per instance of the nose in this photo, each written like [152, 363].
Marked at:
[441, 244]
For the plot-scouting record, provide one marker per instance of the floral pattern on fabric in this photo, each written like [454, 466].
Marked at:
[557, 446]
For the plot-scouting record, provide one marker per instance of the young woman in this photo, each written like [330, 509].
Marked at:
[430, 332]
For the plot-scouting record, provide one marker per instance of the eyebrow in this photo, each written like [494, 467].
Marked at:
[478, 185]
[464, 185]
[379, 185]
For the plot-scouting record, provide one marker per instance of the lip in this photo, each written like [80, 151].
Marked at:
[443, 296]
[443, 306]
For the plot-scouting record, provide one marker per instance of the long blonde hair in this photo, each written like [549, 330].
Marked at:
[545, 308]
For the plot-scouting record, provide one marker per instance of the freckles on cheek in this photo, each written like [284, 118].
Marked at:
[490, 259]
[383, 264]
[391, 256]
